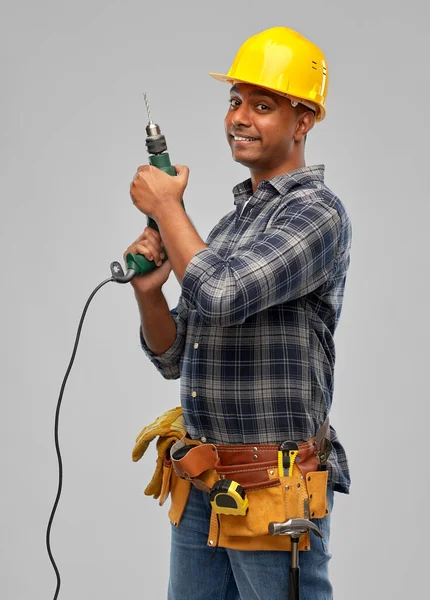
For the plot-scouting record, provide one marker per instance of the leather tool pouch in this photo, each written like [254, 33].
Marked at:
[271, 498]
[193, 463]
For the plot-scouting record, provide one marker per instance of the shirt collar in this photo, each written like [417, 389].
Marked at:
[281, 183]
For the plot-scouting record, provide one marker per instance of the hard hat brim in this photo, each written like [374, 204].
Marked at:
[224, 78]
[320, 111]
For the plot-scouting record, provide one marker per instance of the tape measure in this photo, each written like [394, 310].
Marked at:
[227, 497]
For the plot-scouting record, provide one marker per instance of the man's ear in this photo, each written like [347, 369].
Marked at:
[305, 123]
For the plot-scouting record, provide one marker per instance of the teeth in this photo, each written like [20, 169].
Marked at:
[242, 139]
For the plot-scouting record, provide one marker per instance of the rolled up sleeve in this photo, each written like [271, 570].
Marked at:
[295, 255]
[168, 363]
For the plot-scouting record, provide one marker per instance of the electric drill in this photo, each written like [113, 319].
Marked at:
[138, 264]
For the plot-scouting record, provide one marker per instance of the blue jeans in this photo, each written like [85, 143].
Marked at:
[238, 574]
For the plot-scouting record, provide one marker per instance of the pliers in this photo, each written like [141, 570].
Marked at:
[324, 454]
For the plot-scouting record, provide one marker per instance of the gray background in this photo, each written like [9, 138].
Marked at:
[72, 132]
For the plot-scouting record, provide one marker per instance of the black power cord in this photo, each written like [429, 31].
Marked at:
[57, 416]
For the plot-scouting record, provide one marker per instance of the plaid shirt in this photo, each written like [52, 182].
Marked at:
[256, 317]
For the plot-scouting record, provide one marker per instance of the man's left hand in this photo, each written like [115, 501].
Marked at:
[153, 191]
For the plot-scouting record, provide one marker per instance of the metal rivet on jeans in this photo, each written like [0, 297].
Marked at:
[255, 456]
[287, 487]
[255, 449]
[211, 542]
[175, 523]
[272, 472]
[298, 485]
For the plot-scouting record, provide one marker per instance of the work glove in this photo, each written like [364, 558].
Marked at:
[169, 427]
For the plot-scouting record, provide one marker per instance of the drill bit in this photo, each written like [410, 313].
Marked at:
[147, 107]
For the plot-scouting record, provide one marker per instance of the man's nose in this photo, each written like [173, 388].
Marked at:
[241, 116]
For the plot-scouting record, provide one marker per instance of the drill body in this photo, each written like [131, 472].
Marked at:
[158, 157]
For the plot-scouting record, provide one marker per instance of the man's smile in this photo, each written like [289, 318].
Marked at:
[242, 140]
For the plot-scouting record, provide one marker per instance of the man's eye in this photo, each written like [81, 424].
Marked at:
[263, 106]
[234, 102]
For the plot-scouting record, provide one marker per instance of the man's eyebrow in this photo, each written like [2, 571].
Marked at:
[264, 93]
[256, 92]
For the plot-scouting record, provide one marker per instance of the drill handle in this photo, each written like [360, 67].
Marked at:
[138, 262]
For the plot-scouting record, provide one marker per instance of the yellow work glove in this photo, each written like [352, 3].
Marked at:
[169, 427]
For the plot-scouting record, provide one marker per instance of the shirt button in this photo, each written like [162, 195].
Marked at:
[203, 439]
[196, 346]
[193, 394]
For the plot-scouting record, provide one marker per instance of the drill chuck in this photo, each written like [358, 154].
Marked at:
[153, 130]
[155, 144]
[155, 141]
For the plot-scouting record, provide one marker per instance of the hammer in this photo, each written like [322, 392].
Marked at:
[295, 528]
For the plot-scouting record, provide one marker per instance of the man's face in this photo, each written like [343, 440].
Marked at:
[266, 117]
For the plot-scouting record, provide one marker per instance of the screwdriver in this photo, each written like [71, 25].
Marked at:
[158, 157]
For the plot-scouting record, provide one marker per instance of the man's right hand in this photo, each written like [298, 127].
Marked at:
[150, 245]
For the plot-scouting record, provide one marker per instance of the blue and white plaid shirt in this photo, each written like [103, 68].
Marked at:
[257, 314]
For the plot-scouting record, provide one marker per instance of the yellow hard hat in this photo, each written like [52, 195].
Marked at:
[283, 61]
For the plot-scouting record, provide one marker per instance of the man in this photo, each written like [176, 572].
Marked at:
[252, 334]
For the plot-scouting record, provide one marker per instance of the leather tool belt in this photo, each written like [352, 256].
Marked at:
[248, 465]
[272, 496]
